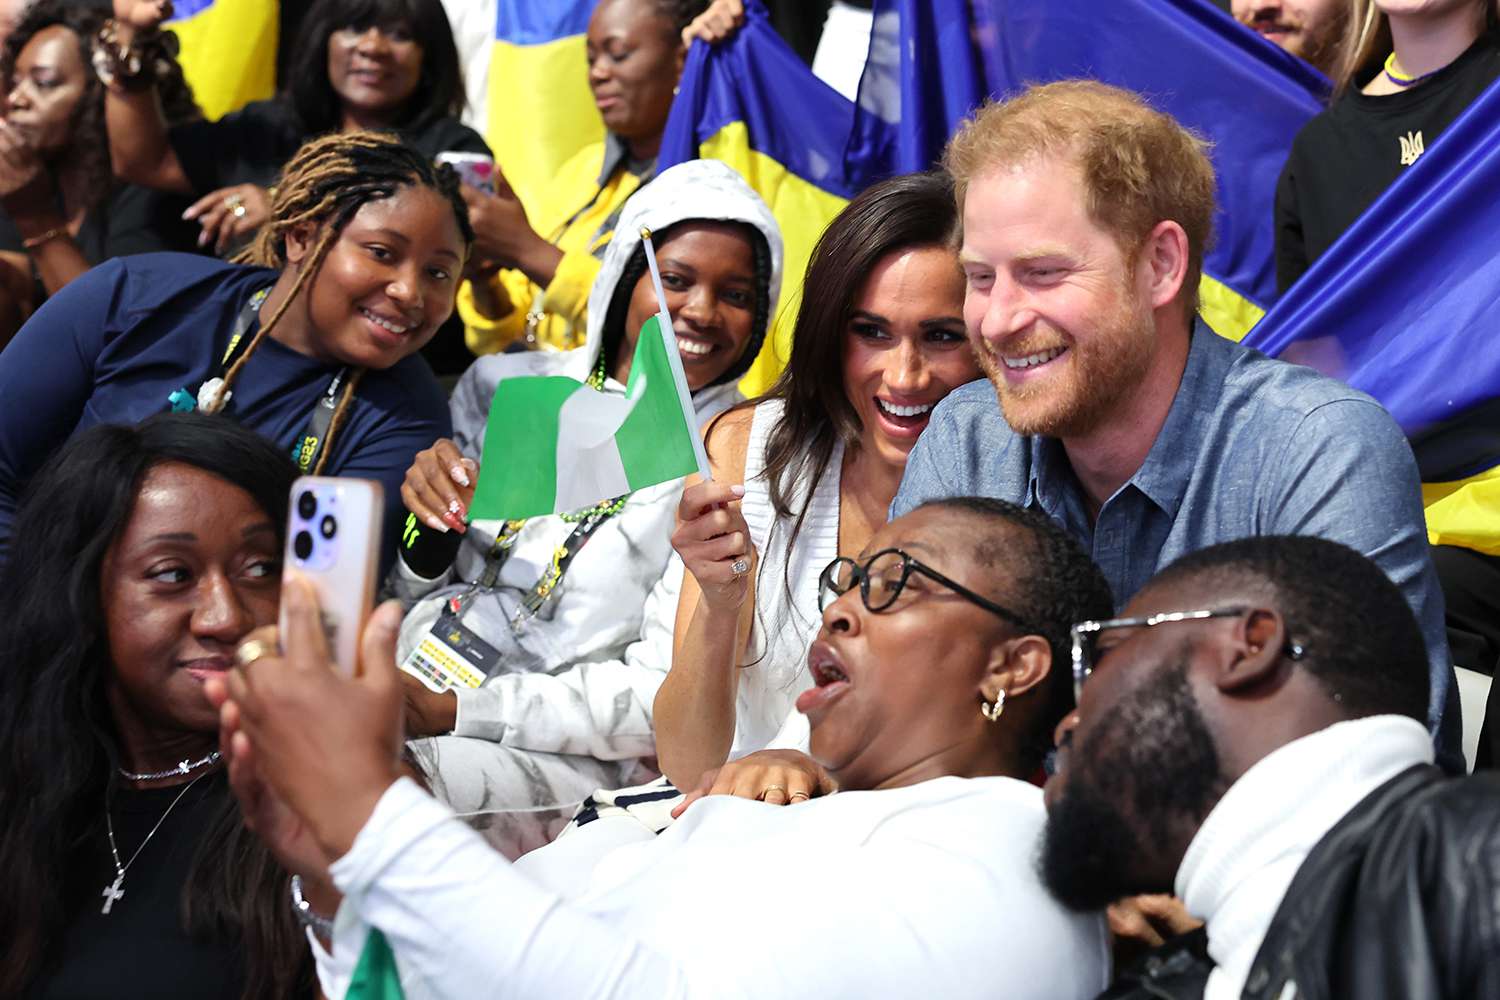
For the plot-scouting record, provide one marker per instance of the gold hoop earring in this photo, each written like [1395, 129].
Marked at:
[991, 711]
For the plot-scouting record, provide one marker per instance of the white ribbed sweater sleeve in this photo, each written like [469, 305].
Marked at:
[925, 891]
[463, 923]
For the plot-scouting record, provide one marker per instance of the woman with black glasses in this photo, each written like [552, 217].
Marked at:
[803, 474]
[914, 880]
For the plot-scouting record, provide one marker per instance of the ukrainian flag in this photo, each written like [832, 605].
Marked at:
[933, 61]
[1403, 306]
[751, 102]
[228, 51]
[540, 108]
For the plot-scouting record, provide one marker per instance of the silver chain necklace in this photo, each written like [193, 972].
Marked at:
[183, 767]
[112, 893]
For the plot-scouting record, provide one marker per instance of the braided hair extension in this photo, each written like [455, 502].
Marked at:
[325, 184]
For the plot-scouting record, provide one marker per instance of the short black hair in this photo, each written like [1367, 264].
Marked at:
[1051, 582]
[440, 89]
[1360, 637]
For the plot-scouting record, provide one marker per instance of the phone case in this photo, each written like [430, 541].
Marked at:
[474, 169]
[333, 540]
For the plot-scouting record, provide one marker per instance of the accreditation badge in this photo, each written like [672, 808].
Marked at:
[450, 655]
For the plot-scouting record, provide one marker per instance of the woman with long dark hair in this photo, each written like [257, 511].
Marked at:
[879, 341]
[358, 65]
[143, 555]
[310, 341]
[63, 210]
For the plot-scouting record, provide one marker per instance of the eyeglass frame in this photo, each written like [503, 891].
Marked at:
[1082, 670]
[910, 564]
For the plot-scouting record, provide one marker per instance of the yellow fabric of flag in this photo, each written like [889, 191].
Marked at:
[228, 51]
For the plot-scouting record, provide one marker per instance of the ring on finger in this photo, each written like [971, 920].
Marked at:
[236, 206]
[740, 566]
[798, 796]
[247, 653]
[771, 788]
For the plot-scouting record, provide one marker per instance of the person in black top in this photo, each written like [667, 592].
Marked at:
[144, 555]
[62, 211]
[1406, 74]
[1404, 77]
[360, 64]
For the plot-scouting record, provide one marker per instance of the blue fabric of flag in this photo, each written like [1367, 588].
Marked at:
[933, 61]
[756, 79]
[1404, 305]
[527, 22]
[183, 9]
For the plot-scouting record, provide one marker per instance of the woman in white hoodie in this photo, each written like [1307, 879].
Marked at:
[571, 665]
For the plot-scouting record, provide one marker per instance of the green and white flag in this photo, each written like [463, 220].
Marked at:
[582, 446]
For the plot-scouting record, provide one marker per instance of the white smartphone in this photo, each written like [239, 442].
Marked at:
[474, 169]
[333, 539]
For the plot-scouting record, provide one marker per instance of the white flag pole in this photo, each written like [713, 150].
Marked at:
[674, 358]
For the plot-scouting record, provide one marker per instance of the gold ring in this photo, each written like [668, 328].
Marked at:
[236, 206]
[799, 794]
[769, 789]
[248, 652]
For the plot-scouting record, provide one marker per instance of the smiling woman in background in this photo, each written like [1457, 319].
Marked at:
[313, 348]
[144, 555]
[533, 274]
[358, 65]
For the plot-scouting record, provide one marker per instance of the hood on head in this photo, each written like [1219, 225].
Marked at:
[698, 189]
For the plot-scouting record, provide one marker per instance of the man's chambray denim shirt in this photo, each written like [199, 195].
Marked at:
[1251, 446]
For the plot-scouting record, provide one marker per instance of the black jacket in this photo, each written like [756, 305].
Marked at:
[1400, 900]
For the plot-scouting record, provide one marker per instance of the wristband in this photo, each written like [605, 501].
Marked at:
[426, 551]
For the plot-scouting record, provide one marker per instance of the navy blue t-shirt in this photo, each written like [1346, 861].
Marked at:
[116, 342]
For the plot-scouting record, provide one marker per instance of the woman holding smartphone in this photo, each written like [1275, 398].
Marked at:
[143, 556]
[311, 343]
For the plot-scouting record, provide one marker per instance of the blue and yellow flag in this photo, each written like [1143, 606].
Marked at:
[228, 51]
[540, 109]
[934, 61]
[1403, 306]
[752, 103]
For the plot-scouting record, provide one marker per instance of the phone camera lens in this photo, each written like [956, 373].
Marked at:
[307, 505]
[328, 526]
[303, 544]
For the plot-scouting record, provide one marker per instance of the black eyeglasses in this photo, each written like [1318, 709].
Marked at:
[1084, 635]
[882, 578]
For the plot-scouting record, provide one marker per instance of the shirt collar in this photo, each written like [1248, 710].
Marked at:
[1247, 851]
[617, 154]
[1163, 476]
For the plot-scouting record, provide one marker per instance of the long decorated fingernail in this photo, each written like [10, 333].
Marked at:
[436, 524]
[459, 475]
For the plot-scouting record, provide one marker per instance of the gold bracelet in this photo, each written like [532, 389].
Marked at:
[49, 235]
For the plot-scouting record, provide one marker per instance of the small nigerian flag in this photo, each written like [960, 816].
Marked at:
[581, 446]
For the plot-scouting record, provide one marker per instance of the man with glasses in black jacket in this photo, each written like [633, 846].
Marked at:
[1249, 735]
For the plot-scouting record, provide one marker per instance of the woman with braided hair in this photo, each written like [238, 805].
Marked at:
[309, 341]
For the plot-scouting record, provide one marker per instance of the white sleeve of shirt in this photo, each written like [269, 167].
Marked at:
[601, 708]
[882, 919]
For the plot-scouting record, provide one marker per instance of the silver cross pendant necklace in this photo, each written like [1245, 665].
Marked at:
[113, 893]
